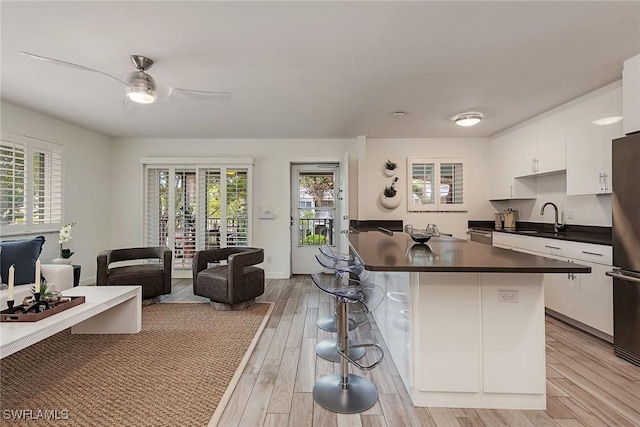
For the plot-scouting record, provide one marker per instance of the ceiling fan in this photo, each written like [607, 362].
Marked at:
[140, 86]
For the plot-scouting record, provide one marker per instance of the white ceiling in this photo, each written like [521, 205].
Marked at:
[315, 69]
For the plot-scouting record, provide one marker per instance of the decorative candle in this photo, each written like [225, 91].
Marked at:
[10, 291]
[37, 281]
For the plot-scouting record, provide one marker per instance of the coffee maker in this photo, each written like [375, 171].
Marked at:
[509, 216]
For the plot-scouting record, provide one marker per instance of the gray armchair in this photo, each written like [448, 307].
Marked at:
[232, 286]
[155, 278]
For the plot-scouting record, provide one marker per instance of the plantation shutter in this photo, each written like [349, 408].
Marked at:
[12, 179]
[192, 206]
[47, 183]
[437, 185]
[451, 184]
[31, 184]
[423, 184]
[237, 207]
[156, 207]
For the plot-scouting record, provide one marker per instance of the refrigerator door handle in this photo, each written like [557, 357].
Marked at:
[616, 274]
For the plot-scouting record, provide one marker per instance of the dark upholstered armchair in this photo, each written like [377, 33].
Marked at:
[232, 286]
[155, 278]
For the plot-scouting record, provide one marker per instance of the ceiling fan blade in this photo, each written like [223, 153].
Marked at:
[198, 95]
[69, 64]
[131, 108]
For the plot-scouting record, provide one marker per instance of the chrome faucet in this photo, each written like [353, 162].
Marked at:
[557, 226]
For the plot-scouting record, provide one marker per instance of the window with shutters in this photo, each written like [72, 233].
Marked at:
[30, 184]
[436, 185]
[191, 207]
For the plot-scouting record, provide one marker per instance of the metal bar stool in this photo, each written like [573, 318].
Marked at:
[328, 349]
[343, 392]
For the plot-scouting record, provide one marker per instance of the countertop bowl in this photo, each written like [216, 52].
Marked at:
[420, 237]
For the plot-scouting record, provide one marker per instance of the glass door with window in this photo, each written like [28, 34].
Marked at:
[314, 213]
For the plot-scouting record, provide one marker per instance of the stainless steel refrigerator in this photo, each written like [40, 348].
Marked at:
[626, 247]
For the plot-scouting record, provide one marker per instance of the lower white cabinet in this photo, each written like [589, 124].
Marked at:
[586, 298]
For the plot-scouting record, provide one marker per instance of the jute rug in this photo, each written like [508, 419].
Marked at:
[173, 373]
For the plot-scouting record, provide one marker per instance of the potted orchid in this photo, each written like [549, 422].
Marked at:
[64, 236]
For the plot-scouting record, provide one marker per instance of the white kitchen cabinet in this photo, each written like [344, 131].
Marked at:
[524, 150]
[589, 144]
[631, 95]
[586, 298]
[551, 144]
[540, 148]
[502, 184]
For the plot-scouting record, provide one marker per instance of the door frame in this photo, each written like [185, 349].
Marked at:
[287, 184]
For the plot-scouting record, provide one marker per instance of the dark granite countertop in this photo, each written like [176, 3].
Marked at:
[382, 252]
[575, 233]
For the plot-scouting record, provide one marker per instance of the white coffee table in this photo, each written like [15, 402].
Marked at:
[106, 310]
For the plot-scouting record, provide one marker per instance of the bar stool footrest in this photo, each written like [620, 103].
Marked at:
[328, 350]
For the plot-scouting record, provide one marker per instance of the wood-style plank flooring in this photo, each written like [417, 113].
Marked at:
[586, 384]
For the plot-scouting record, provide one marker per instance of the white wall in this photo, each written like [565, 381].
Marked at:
[398, 150]
[587, 209]
[87, 183]
[271, 184]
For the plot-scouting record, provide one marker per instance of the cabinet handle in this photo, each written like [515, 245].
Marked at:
[533, 165]
[552, 247]
[606, 181]
[601, 182]
[592, 253]
[511, 191]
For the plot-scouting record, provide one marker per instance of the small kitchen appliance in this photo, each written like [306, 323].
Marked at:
[509, 216]
[499, 218]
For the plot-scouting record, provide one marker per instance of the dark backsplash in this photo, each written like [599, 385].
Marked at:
[393, 225]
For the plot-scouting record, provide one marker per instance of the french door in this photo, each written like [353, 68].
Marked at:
[195, 207]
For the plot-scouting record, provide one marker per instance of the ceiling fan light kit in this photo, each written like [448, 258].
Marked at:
[140, 86]
[468, 119]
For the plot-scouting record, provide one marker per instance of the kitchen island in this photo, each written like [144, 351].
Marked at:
[463, 321]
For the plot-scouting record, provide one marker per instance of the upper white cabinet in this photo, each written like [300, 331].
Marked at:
[551, 144]
[540, 148]
[631, 94]
[502, 184]
[588, 155]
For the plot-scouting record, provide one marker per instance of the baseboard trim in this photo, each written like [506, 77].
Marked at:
[579, 325]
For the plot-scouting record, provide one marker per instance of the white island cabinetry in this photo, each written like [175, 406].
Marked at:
[463, 321]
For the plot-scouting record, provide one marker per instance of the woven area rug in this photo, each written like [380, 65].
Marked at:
[173, 373]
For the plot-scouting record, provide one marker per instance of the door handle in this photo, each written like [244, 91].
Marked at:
[618, 275]
[552, 247]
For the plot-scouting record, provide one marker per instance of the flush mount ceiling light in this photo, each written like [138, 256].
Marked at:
[607, 120]
[398, 114]
[468, 119]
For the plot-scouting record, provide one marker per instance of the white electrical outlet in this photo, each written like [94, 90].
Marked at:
[269, 260]
[508, 296]
[570, 213]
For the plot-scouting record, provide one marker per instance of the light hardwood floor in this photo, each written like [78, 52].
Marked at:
[586, 384]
